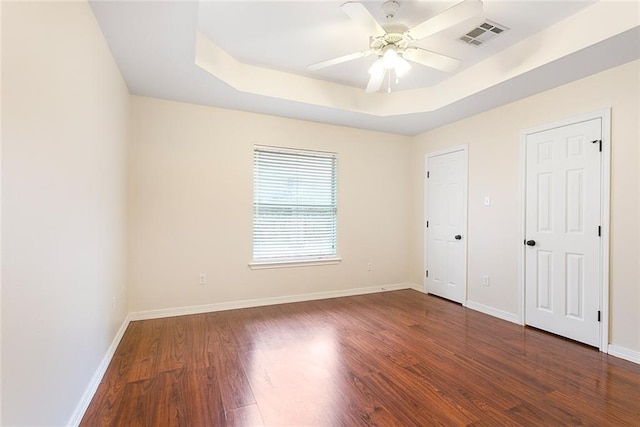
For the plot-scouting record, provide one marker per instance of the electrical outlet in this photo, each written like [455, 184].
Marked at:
[370, 266]
[203, 279]
[485, 280]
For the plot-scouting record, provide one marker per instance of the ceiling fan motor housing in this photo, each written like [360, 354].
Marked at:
[396, 40]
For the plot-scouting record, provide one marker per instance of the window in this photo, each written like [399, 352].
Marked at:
[294, 206]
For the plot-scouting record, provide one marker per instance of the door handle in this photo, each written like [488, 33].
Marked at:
[458, 237]
[531, 242]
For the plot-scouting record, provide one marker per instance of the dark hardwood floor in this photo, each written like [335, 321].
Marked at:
[390, 359]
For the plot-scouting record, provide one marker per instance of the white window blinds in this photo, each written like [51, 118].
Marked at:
[294, 205]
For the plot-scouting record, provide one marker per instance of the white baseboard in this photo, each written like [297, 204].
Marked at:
[232, 305]
[416, 287]
[624, 353]
[500, 314]
[91, 389]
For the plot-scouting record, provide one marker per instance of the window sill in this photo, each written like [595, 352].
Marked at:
[261, 265]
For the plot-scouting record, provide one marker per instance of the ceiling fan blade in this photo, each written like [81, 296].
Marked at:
[359, 13]
[431, 59]
[450, 17]
[339, 60]
[375, 82]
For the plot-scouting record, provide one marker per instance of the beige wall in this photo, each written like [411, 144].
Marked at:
[64, 136]
[1, 3]
[493, 139]
[190, 206]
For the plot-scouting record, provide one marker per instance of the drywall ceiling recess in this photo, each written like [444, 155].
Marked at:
[483, 33]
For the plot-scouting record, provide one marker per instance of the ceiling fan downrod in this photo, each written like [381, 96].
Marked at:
[390, 8]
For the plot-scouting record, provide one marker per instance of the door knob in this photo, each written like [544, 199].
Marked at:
[531, 242]
[458, 237]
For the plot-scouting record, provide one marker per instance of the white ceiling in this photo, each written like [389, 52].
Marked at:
[270, 42]
[288, 36]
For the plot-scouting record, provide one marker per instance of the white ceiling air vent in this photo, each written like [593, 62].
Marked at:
[483, 33]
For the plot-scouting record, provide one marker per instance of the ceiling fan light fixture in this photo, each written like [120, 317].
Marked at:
[390, 58]
[377, 69]
[402, 66]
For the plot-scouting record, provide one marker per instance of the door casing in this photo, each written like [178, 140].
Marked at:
[605, 180]
[464, 149]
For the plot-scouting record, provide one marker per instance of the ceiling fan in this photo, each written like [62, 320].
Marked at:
[394, 49]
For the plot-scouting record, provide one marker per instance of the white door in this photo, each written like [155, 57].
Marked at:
[562, 227]
[446, 215]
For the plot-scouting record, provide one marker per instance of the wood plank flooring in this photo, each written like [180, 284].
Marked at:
[390, 359]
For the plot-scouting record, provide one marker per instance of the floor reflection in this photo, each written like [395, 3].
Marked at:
[299, 383]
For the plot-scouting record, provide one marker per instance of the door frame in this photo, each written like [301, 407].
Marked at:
[465, 149]
[605, 203]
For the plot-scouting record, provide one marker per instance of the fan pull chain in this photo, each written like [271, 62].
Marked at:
[389, 87]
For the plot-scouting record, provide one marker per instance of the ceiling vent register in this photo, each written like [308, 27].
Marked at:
[483, 33]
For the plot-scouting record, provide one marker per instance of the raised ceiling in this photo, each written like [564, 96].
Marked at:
[252, 56]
